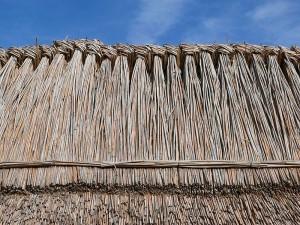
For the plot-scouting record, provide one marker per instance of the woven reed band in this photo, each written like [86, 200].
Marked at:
[98, 48]
[195, 164]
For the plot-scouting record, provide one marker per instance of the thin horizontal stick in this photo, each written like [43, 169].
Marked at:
[196, 164]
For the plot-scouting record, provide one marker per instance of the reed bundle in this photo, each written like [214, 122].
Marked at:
[212, 117]
[156, 115]
[94, 208]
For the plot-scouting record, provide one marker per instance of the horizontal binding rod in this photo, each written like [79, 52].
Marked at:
[194, 164]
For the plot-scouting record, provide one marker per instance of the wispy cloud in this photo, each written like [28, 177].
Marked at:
[210, 29]
[155, 18]
[274, 22]
[216, 22]
[271, 9]
[278, 20]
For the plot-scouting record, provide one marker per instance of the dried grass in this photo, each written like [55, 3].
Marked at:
[125, 208]
[218, 115]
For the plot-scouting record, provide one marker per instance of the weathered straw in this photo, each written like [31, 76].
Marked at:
[152, 164]
[214, 115]
[280, 207]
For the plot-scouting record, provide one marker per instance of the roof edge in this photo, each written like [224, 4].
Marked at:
[96, 47]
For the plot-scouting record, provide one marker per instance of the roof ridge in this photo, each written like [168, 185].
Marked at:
[67, 47]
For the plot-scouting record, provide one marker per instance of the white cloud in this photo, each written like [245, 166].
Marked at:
[209, 30]
[155, 17]
[268, 22]
[271, 9]
[278, 20]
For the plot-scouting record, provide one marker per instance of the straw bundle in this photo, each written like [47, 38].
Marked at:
[190, 119]
[94, 208]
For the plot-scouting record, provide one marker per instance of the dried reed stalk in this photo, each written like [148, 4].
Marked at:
[84, 103]
[126, 208]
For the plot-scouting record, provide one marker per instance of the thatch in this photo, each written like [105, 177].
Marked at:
[282, 208]
[192, 119]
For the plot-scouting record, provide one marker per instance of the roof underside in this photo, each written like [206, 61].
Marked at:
[192, 119]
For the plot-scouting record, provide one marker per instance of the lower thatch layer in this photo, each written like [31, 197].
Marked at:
[92, 207]
[216, 178]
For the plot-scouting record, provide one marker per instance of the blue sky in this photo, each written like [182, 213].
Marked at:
[273, 22]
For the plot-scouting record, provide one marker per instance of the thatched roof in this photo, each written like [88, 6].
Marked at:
[205, 134]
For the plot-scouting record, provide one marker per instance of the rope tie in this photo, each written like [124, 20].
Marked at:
[157, 50]
[124, 49]
[94, 47]
[189, 49]
[67, 47]
[224, 49]
[141, 51]
[48, 51]
[80, 45]
[16, 52]
[271, 50]
[152, 164]
[64, 47]
[171, 50]
[32, 53]
[3, 57]
[206, 48]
